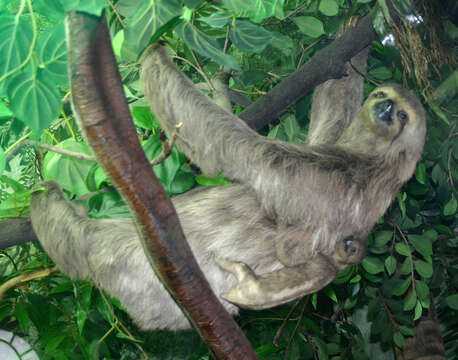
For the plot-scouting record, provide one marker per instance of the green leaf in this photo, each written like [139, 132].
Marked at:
[292, 128]
[263, 9]
[22, 315]
[191, 4]
[382, 238]
[117, 42]
[93, 7]
[423, 268]
[421, 244]
[390, 264]
[143, 117]
[450, 207]
[329, 291]
[4, 4]
[71, 173]
[52, 53]
[52, 9]
[15, 42]
[452, 301]
[208, 181]
[422, 289]
[402, 249]
[249, 37]
[252, 77]
[147, 20]
[217, 19]
[256, 10]
[54, 342]
[420, 173]
[2, 161]
[204, 45]
[398, 339]
[418, 311]
[239, 6]
[410, 301]
[35, 99]
[406, 267]
[329, 7]
[401, 287]
[381, 73]
[4, 110]
[283, 43]
[406, 330]
[372, 265]
[309, 25]
[168, 26]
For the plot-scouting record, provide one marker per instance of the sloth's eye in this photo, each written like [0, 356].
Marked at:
[348, 245]
[402, 115]
[380, 95]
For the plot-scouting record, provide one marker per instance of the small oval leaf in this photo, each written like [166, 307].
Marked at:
[329, 7]
[410, 301]
[450, 207]
[423, 268]
[309, 25]
[372, 265]
[390, 264]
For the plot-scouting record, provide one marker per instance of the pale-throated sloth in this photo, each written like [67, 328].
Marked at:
[293, 219]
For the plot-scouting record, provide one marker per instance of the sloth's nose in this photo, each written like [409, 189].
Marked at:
[384, 111]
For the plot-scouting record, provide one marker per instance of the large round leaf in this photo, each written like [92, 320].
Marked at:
[15, 41]
[250, 37]
[35, 99]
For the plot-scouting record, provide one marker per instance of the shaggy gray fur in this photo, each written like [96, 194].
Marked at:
[295, 217]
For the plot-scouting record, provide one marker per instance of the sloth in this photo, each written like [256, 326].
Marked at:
[293, 217]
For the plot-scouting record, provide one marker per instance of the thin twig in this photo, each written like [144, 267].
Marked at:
[285, 321]
[24, 278]
[118, 16]
[167, 146]
[55, 149]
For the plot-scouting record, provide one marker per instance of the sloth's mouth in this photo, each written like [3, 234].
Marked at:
[383, 111]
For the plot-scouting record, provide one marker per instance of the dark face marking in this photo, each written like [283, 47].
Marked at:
[383, 111]
[380, 95]
[403, 117]
[403, 120]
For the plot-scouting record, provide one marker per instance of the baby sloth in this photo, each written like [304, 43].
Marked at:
[294, 217]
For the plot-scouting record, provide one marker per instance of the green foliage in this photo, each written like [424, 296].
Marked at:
[412, 252]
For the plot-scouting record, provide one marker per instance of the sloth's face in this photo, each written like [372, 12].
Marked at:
[396, 118]
[391, 111]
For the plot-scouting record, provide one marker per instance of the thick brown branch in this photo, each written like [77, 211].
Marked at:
[329, 63]
[99, 102]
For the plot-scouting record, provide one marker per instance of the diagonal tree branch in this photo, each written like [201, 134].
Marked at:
[104, 116]
[329, 63]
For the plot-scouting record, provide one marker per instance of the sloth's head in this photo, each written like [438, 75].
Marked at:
[391, 124]
[349, 251]
[395, 115]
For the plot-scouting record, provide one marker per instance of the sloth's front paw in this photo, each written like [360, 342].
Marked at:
[247, 293]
